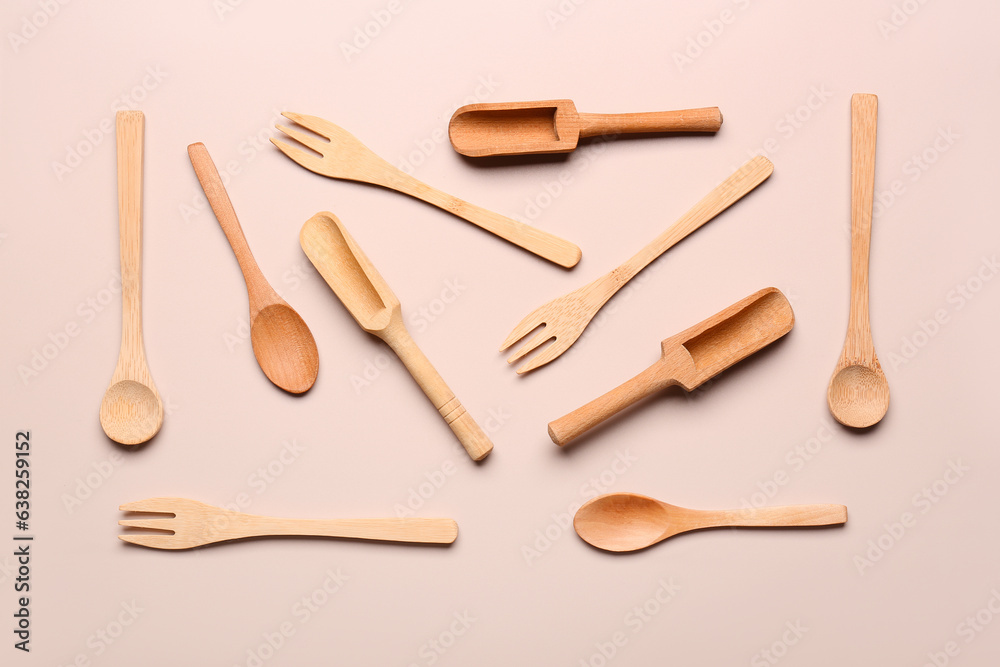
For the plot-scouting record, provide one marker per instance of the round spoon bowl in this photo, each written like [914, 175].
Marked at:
[621, 522]
[131, 412]
[285, 348]
[858, 396]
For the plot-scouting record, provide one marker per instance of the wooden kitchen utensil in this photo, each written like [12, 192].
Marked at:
[342, 156]
[195, 524]
[562, 320]
[555, 126]
[131, 411]
[629, 521]
[858, 394]
[282, 343]
[366, 295]
[690, 358]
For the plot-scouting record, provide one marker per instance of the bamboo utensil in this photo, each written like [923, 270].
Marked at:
[564, 319]
[629, 521]
[342, 156]
[282, 343]
[690, 358]
[858, 394]
[195, 524]
[366, 295]
[555, 126]
[131, 410]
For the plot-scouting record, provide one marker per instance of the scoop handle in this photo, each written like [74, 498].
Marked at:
[465, 428]
[707, 119]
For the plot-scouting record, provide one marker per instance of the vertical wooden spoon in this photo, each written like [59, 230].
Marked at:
[131, 412]
[282, 343]
[858, 393]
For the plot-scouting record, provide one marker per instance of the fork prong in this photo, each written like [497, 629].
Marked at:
[523, 328]
[307, 160]
[533, 344]
[159, 505]
[318, 145]
[558, 346]
[154, 541]
[151, 524]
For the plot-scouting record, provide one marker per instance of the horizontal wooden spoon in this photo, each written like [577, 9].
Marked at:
[690, 358]
[282, 343]
[131, 410]
[555, 126]
[371, 302]
[629, 521]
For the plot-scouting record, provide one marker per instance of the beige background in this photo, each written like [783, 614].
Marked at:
[201, 72]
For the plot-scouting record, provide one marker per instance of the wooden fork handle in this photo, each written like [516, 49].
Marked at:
[431, 531]
[465, 428]
[708, 119]
[764, 517]
[532, 239]
[569, 427]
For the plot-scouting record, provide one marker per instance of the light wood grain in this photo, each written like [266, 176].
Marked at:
[196, 524]
[131, 410]
[342, 156]
[282, 343]
[858, 394]
[555, 126]
[630, 521]
[366, 295]
[564, 319]
[690, 358]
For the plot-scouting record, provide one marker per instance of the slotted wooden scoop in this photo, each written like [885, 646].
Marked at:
[555, 126]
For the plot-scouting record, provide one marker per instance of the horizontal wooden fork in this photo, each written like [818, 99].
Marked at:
[194, 524]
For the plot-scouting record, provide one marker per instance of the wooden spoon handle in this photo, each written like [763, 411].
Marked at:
[130, 126]
[532, 239]
[864, 118]
[465, 428]
[433, 531]
[569, 427]
[790, 515]
[218, 199]
[708, 119]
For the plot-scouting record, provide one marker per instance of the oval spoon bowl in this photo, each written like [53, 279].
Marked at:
[285, 348]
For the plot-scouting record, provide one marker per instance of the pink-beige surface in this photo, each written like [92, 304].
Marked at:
[912, 579]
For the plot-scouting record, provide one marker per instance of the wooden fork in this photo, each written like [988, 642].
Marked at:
[342, 156]
[562, 320]
[194, 524]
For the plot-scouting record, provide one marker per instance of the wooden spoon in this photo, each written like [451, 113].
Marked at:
[858, 394]
[629, 521]
[131, 411]
[690, 358]
[282, 343]
[555, 126]
[366, 295]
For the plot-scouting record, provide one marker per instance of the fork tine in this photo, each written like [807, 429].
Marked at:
[318, 145]
[523, 328]
[159, 505]
[154, 541]
[533, 344]
[307, 160]
[558, 346]
[151, 524]
[311, 123]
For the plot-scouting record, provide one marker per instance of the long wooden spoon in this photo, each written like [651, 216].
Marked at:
[555, 126]
[690, 358]
[858, 393]
[366, 295]
[131, 411]
[629, 521]
[282, 343]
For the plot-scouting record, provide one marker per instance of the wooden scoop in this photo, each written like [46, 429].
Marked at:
[690, 358]
[555, 126]
[366, 295]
